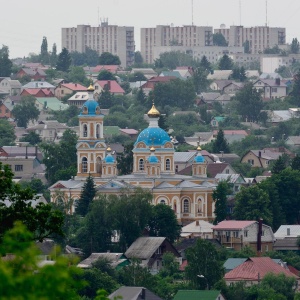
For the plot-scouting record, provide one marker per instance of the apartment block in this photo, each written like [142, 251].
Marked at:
[118, 40]
[164, 35]
[260, 37]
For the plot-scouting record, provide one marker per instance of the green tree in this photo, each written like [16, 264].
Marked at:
[279, 165]
[253, 203]
[295, 93]
[220, 143]
[205, 64]
[125, 160]
[22, 278]
[25, 111]
[53, 56]
[295, 164]
[7, 133]
[295, 46]
[274, 50]
[137, 76]
[174, 59]
[64, 61]
[87, 195]
[204, 272]
[92, 57]
[225, 63]
[105, 99]
[219, 40]
[77, 75]
[45, 59]
[32, 138]
[107, 58]
[249, 103]
[138, 59]
[200, 80]
[220, 197]
[105, 75]
[163, 222]
[141, 97]
[5, 63]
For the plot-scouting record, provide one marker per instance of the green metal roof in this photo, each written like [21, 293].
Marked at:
[219, 119]
[52, 103]
[197, 295]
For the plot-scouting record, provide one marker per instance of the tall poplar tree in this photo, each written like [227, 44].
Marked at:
[44, 52]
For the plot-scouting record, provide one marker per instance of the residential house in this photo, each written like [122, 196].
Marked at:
[293, 141]
[68, 89]
[149, 85]
[50, 130]
[93, 72]
[183, 160]
[214, 168]
[133, 293]
[197, 229]
[224, 157]
[263, 158]
[219, 75]
[6, 106]
[148, 72]
[199, 137]
[224, 99]
[25, 162]
[185, 72]
[36, 74]
[34, 65]
[238, 234]
[174, 73]
[271, 88]
[40, 85]
[236, 180]
[150, 251]
[11, 87]
[232, 263]
[37, 93]
[215, 121]
[78, 99]
[232, 135]
[209, 98]
[199, 295]
[116, 260]
[277, 116]
[254, 269]
[112, 86]
[287, 238]
[49, 104]
[233, 87]
[132, 133]
[218, 85]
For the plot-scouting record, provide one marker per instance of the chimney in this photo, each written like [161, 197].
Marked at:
[277, 81]
[143, 294]
[259, 234]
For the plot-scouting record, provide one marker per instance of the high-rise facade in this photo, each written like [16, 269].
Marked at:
[162, 35]
[118, 40]
[260, 37]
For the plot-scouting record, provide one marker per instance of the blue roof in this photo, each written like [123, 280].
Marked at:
[109, 159]
[154, 136]
[91, 106]
[153, 159]
[199, 158]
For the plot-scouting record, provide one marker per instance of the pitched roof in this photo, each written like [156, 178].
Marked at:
[286, 244]
[256, 267]
[114, 87]
[233, 225]
[232, 132]
[232, 178]
[39, 85]
[74, 86]
[232, 263]
[144, 247]
[295, 139]
[222, 83]
[52, 103]
[161, 79]
[133, 293]
[215, 168]
[197, 227]
[266, 154]
[129, 131]
[113, 258]
[171, 73]
[197, 295]
[183, 157]
[283, 230]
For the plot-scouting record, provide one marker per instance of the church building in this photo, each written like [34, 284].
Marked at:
[153, 168]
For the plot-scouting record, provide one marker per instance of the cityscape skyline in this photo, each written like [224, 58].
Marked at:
[23, 33]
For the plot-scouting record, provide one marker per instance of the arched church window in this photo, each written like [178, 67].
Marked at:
[84, 166]
[141, 164]
[98, 131]
[162, 201]
[85, 130]
[99, 165]
[186, 206]
[168, 164]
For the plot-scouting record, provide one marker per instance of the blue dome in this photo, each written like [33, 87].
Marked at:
[109, 159]
[199, 159]
[90, 107]
[153, 159]
[153, 136]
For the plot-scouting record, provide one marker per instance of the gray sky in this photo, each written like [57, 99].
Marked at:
[24, 23]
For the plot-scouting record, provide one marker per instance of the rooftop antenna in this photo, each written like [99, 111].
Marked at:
[192, 12]
[266, 13]
[98, 17]
[240, 12]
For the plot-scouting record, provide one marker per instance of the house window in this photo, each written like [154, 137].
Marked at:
[158, 250]
[267, 162]
[236, 234]
[84, 165]
[186, 206]
[245, 233]
[227, 171]
[236, 188]
[262, 233]
[251, 162]
[168, 165]
[267, 248]
[274, 90]
[18, 168]
[141, 164]
[62, 92]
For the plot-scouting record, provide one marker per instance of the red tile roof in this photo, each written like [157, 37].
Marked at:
[34, 91]
[232, 225]
[256, 267]
[114, 87]
[74, 86]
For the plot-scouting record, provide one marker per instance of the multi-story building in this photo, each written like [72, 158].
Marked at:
[165, 35]
[260, 37]
[118, 40]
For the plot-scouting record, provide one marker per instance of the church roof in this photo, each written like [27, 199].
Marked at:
[154, 136]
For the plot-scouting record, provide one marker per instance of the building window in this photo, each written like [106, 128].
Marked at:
[18, 168]
[236, 234]
[176, 169]
[84, 165]
[85, 130]
[262, 233]
[186, 206]
[245, 233]
[98, 131]
[168, 165]
[162, 201]
[251, 162]
[274, 90]
[141, 164]
[227, 171]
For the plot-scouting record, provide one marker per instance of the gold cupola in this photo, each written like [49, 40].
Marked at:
[153, 112]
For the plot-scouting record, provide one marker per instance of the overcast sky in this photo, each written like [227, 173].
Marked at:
[24, 23]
